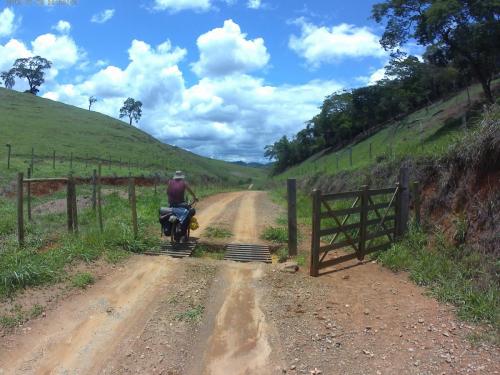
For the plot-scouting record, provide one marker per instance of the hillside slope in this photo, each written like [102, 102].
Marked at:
[427, 132]
[27, 122]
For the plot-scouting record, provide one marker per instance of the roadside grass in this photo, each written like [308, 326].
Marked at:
[17, 316]
[217, 232]
[455, 275]
[301, 259]
[82, 280]
[49, 249]
[282, 254]
[275, 234]
[194, 314]
[215, 253]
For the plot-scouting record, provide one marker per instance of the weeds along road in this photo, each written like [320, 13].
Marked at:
[97, 332]
[158, 315]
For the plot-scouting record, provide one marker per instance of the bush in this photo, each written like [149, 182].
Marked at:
[213, 232]
[275, 234]
[282, 254]
[82, 280]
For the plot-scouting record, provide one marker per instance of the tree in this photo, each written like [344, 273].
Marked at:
[467, 31]
[131, 109]
[31, 68]
[8, 79]
[92, 100]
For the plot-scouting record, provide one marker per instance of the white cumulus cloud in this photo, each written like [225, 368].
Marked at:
[103, 17]
[175, 6]
[61, 50]
[226, 116]
[8, 23]
[321, 44]
[254, 4]
[12, 50]
[227, 50]
[151, 76]
[64, 27]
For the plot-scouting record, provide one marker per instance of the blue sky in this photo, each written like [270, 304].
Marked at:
[221, 78]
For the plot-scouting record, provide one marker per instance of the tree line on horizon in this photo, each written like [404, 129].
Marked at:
[461, 38]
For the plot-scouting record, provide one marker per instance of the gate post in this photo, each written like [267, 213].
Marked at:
[403, 202]
[292, 216]
[315, 238]
[362, 222]
[416, 200]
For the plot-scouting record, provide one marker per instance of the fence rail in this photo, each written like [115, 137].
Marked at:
[96, 180]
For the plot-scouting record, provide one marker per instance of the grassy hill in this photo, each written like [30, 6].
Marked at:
[427, 132]
[27, 122]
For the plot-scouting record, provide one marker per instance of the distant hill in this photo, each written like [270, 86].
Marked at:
[28, 121]
[252, 164]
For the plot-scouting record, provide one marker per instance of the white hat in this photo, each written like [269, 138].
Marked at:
[178, 175]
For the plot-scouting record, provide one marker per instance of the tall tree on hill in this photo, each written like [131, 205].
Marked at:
[132, 109]
[467, 31]
[92, 100]
[31, 68]
[8, 79]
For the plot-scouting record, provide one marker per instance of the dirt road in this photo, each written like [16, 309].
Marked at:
[157, 315]
[93, 332]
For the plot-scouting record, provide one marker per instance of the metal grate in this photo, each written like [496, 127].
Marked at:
[178, 250]
[247, 253]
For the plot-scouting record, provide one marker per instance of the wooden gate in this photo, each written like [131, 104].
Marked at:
[362, 221]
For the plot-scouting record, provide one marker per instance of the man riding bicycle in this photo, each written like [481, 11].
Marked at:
[182, 210]
[176, 190]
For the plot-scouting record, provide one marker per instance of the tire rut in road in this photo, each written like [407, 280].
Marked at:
[240, 340]
[81, 334]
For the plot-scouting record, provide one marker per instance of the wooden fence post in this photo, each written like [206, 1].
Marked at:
[129, 187]
[404, 202]
[69, 204]
[363, 223]
[94, 190]
[20, 210]
[316, 226]
[416, 200]
[53, 159]
[74, 205]
[28, 193]
[350, 156]
[32, 160]
[133, 207]
[292, 216]
[9, 149]
[99, 198]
